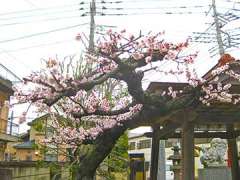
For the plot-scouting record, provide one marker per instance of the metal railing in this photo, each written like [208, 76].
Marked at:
[11, 128]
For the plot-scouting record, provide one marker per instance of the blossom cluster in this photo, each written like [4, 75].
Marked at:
[220, 93]
[140, 48]
[171, 92]
[216, 90]
[73, 136]
[220, 70]
[106, 65]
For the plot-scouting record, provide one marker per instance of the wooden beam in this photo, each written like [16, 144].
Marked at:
[163, 133]
[204, 116]
[188, 150]
[169, 124]
[233, 155]
[217, 116]
[223, 135]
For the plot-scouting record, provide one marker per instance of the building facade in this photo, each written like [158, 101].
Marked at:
[141, 144]
[5, 135]
[32, 148]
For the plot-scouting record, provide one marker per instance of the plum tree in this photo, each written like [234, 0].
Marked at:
[92, 120]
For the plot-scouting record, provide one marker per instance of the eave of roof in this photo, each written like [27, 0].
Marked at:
[25, 145]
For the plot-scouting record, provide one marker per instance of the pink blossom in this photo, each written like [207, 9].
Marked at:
[148, 59]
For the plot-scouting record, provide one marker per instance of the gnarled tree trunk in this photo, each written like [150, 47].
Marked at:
[92, 155]
[80, 177]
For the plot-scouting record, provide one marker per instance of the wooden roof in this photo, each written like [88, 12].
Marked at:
[218, 115]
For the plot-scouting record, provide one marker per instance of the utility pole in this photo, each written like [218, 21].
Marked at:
[224, 40]
[92, 26]
[218, 29]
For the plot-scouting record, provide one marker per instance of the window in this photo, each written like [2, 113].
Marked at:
[51, 157]
[49, 131]
[28, 157]
[144, 144]
[132, 145]
[7, 157]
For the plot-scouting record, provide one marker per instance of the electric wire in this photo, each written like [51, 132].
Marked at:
[43, 14]
[42, 33]
[41, 20]
[38, 9]
[37, 46]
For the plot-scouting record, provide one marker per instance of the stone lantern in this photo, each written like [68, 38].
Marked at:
[176, 159]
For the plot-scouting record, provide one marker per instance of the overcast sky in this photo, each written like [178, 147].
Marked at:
[34, 29]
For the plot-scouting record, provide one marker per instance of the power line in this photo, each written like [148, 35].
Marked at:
[57, 7]
[82, 8]
[127, 1]
[41, 20]
[144, 8]
[41, 33]
[36, 46]
[144, 13]
[38, 9]
[87, 3]
[43, 14]
[12, 57]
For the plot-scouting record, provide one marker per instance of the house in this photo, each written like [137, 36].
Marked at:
[32, 148]
[23, 157]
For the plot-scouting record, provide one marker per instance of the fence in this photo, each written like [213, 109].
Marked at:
[30, 171]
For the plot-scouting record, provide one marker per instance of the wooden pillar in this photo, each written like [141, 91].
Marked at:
[233, 154]
[154, 154]
[188, 151]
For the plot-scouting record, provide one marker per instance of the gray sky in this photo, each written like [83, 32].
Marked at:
[34, 29]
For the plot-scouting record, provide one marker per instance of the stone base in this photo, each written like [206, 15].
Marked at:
[215, 173]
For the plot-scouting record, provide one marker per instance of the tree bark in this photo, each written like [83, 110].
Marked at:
[79, 177]
[92, 155]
